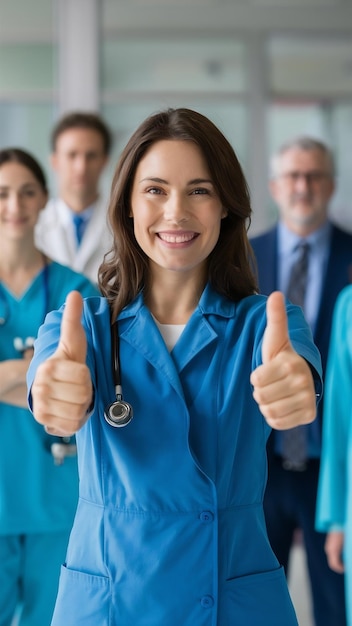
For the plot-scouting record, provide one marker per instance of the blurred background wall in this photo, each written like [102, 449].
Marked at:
[262, 70]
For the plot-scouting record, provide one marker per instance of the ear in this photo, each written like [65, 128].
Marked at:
[273, 187]
[224, 213]
[103, 163]
[46, 198]
[332, 187]
[53, 161]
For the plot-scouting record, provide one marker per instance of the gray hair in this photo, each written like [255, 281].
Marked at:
[302, 143]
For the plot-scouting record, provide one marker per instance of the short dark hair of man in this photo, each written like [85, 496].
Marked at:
[82, 119]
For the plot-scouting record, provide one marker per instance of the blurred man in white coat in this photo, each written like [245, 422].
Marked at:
[73, 228]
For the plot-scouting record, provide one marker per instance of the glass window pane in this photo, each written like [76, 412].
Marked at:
[26, 67]
[194, 65]
[288, 119]
[28, 77]
[319, 67]
[28, 126]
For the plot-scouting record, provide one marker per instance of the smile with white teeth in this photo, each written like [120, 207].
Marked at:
[177, 238]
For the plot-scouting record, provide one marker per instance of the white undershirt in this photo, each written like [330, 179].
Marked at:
[170, 333]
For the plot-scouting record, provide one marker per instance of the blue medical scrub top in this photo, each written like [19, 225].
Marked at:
[169, 529]
[334, 501]
[36, 496]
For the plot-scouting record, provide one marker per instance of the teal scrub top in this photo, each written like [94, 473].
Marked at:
[334, 503]
[170, 528]
[36, 496]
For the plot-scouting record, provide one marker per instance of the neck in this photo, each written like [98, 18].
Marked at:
[78, 203]
[305, 228]
[17, 270]
[19, 254]
[173, 296]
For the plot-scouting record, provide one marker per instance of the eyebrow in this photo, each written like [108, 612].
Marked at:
[24, 186]
[194, 181]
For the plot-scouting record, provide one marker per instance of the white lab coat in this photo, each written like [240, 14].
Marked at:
[55, 236]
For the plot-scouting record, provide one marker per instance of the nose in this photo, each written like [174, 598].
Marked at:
[175, 209]
[303, 182]
[13, 202]
[81, 164]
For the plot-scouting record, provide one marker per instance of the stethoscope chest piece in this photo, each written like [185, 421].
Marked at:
[118, 413]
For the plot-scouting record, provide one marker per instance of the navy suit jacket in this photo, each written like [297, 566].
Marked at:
[338, 274]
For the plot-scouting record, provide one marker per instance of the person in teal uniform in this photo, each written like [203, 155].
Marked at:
[334, 505]
[169, 527]
[38, 493]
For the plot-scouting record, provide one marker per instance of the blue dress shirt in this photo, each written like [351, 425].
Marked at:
[319, 245]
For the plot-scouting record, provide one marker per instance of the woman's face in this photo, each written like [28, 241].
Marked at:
[21, 199]
[176, 210]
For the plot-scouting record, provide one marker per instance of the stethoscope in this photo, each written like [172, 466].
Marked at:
[119, 413]
[60, 447]
[21, 345]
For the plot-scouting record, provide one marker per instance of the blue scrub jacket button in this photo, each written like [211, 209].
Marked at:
[206, 517]
[207, 602]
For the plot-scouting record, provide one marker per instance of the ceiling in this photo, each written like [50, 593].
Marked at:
[35, 19]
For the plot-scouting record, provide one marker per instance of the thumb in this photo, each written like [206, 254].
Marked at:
[275, 337]
[73, 342]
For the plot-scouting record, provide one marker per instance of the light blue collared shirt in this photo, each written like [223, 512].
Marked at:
[319, 246]
[85, 217]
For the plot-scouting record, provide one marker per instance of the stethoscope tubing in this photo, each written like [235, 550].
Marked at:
[119, 413]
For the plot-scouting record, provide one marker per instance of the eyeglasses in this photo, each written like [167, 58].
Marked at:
[311, 178]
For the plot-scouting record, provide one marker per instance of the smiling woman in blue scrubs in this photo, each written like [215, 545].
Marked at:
[169, 528]
[37, 497]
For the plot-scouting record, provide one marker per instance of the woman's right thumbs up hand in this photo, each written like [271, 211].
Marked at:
[62, 389]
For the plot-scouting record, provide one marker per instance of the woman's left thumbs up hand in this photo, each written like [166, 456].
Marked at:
[283, 384]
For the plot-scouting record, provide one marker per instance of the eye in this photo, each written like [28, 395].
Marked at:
[200, 191]
[92, 156]
[154, 190]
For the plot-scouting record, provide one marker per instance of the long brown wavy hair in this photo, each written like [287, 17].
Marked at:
[125, 269]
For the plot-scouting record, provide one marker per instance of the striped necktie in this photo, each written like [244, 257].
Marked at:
[294, 440]
[297, 285]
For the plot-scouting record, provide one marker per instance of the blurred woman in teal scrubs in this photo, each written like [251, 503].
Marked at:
[170, 529]
[334, 506]
[37, 497]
